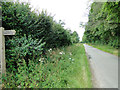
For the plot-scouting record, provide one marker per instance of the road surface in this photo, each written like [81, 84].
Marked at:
[104, 68]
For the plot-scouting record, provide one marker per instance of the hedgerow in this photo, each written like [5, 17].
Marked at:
[36, 32]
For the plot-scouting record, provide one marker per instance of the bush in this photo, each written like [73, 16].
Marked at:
[18, 16]
[23, 48]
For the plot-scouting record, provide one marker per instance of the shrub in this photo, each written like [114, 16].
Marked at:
[18, 16]
[23, 48]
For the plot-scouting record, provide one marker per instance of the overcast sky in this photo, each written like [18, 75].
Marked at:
[72, 12]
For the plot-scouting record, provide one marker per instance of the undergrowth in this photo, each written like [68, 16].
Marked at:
[66, 67]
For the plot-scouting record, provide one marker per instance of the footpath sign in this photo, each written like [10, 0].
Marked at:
[2, 47]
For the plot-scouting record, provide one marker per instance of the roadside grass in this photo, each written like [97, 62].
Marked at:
[66, 67]
[107, 48]
[80, 76]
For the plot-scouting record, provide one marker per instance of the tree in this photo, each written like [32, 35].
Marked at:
[75, 37]
[103, 24]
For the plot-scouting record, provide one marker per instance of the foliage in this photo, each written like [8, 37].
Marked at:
[75, 37]
[23, 48]
[65, 68]
[31, 27]
[28, 65]
[103, 25]
[19, 16]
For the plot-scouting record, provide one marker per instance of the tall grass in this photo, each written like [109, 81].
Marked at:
[66, 67]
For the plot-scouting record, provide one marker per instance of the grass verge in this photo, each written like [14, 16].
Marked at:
[106, 48]
[67, 67]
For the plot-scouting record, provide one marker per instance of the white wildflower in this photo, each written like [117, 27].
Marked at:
[39, 59]
[70, 53]
[60, 53]
[50, 50]
[19, 86]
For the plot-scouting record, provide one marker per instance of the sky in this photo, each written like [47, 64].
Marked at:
[72, 12]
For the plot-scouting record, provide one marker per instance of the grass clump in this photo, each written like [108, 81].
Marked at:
[66, 67]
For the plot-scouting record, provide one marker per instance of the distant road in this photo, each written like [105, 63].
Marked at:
[104, 67]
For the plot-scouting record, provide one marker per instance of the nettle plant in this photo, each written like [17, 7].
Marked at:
[24, 48]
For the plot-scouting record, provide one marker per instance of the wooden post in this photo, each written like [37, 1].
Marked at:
[2, 51]
[2, 48]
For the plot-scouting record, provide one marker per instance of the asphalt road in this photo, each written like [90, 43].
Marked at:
[104, 67]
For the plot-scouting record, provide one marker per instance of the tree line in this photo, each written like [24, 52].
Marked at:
[104, 24]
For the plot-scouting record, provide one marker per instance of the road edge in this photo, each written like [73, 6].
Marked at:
[94, 80]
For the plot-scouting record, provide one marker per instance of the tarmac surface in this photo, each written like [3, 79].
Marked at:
[104, 67]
